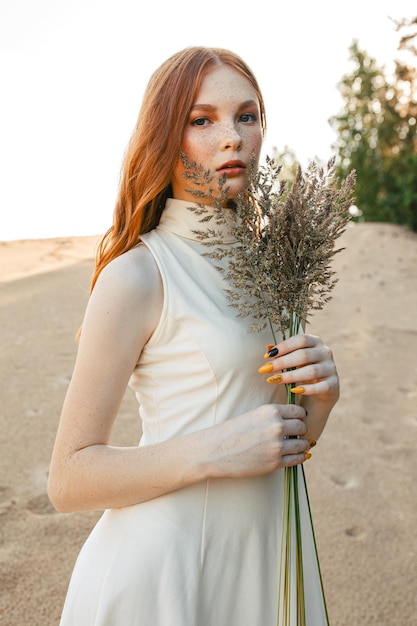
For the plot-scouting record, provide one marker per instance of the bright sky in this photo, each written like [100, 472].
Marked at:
[72, 75]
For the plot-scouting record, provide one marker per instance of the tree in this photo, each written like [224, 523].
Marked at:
[377, 134]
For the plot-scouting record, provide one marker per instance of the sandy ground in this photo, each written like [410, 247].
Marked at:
[362, 477]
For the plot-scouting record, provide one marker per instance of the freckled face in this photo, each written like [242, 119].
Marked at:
[223, 132]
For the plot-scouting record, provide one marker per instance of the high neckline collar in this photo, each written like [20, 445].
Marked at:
[179, 219]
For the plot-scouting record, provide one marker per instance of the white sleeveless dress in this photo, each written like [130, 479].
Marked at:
[205, 555]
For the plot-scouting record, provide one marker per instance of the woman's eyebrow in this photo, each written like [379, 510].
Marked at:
[211, 107]
[203, 107]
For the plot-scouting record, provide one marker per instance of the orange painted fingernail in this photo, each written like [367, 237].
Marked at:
[307, 455]
[276, 378]
[269, 347]
[312, 443]
[297, 390]
[265, 369]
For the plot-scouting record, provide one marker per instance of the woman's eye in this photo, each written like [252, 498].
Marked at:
[247, 117]
[200, 121]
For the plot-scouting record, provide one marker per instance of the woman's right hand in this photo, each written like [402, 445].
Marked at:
[258, 442]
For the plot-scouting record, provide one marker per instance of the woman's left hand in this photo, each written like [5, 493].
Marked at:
[305, 361]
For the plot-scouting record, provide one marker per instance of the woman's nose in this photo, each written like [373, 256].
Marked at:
[231, 138]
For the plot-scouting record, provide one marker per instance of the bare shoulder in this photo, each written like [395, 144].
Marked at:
[128, 288]
[134, 271]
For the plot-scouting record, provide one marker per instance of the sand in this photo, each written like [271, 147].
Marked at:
[362, 478]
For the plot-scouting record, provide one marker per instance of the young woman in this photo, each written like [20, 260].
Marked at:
[191, 531]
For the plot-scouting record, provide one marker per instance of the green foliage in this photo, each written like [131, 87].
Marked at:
[377, 133]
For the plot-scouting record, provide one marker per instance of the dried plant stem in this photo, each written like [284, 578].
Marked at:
[291, 533]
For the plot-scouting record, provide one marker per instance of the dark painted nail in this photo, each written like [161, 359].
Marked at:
[273, 352]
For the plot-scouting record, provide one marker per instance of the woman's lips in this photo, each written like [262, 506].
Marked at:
[231, 168]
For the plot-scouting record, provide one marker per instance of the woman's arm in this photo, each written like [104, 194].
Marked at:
[86, 472]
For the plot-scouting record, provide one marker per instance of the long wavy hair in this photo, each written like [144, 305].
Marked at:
[155, 145]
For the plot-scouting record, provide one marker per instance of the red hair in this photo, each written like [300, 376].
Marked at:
[155, 145]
